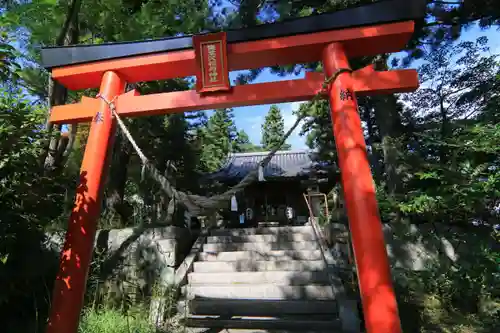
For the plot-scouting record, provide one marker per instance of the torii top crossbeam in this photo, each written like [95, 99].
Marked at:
[369, 30]
[365, 30]
[381, 27]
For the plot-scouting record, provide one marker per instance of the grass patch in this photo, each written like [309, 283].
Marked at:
[106, 320]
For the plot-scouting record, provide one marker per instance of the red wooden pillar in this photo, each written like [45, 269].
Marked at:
[377, 294]
[70, 284]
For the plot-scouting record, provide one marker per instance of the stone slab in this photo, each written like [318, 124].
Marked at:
[262, 247]
[309, 292]
[258, 255]
[277, 278]
[258, 266]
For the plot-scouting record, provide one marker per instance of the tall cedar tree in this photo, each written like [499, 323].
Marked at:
[219, 136]
[242, 144]
[273, 130]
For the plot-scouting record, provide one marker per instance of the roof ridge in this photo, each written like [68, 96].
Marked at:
[286, 163]
[265, 153]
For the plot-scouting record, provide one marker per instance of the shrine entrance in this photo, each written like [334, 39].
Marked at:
[277, 199]
[332, 38]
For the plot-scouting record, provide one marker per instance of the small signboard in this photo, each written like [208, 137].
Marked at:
[211, 57]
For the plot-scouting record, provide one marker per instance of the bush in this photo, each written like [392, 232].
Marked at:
[29, 201]
[458, 297]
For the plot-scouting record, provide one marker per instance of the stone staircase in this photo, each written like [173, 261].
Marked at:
[275, 278]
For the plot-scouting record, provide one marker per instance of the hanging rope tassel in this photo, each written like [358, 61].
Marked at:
[261, 173]
[143, 172]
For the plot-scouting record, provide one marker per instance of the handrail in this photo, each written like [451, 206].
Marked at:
[349, 250]
[187, 264]
[348, 311]
[308, 205]
[326, 254]
[322, 240]
[309, 195]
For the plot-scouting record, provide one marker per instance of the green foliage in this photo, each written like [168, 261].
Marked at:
[242, 143]
[464, 12]
[318, 127]
[218, 138]
[451, 167]
[107, 320]
[459, 296]
[28, 203]
[25, 194]
[31, 201]
[9, 68]
[273, 129]
[450, 175]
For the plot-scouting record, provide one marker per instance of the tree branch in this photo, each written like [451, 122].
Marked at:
[72, 11]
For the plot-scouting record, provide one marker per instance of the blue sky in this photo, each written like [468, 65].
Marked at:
[250, 118]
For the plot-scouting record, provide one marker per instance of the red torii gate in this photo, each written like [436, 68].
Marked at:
[331, 38]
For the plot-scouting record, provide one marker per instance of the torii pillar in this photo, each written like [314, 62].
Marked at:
[375, 283]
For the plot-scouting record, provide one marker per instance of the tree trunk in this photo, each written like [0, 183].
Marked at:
[371, 139]
[249, 10]
[443, 151]
[57, 95]
[389, 125]
[118, 178]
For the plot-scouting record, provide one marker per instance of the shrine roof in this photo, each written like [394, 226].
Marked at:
[284, 164]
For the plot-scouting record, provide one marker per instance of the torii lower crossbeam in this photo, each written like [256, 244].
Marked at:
[366, 82]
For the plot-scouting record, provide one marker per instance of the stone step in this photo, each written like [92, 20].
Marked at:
[244, 307]
[262, 231]
[257, 255]
[258, 265]
[242, 330]
[267, 224]
[261, 247]
[264, 324]
[279, 278]
[297, 316]
[186, 329]
[270, 238]
[263, 291]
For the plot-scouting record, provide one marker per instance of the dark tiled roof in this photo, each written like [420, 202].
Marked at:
[283, 164]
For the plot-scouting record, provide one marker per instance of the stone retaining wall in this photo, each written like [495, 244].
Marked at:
[136, 261]
[415, 247]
